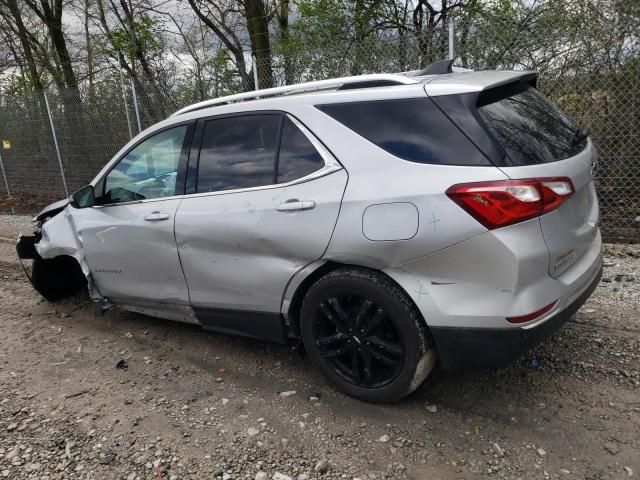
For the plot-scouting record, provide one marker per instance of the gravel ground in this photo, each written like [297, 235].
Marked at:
[125, 396]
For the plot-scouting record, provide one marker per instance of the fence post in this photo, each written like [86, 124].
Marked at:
[4, 175]
[256, 82]
[126, 105]
[451, 38]
[135, 104]
[55, 142]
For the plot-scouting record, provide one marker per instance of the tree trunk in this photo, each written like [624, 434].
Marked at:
[283, 26]
[258, 28]
[32, 70]
[53, 21]
[89, 47]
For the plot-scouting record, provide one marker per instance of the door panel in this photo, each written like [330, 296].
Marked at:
[131, 250]
[239, 249]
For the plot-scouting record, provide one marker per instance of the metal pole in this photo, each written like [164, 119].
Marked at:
[256, 82]
[126, 104]
[135, 104]
[4, 175]
[451, 38]
[55, 142]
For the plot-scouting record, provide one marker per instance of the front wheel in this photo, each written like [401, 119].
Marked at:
[366, 335]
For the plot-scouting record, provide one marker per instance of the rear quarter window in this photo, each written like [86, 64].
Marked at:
[297, 157]
[529, 128]
[413, 129]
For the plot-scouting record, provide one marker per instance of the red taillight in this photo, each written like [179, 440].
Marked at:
[505, 202]
[532, 315]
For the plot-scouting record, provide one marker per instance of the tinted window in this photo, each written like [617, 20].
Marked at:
[147, 171]
[413, 129]
[298, 157]
[238, 152]
[529, 127]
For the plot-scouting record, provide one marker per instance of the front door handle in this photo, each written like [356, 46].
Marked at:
[292, 205]
[156, 216]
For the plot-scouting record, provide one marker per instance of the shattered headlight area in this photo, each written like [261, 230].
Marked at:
[26, 249]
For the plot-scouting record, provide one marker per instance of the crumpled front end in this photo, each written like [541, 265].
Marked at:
[59, 269]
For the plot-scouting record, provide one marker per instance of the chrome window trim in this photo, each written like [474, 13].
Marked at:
[134, 202]
[324, 171]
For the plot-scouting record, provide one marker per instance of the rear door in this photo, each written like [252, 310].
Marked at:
[541, 141]
[264, 205]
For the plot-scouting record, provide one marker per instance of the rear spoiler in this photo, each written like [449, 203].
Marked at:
[477, 81]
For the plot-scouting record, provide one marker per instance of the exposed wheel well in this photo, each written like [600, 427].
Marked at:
[293, 314]
[57, 278]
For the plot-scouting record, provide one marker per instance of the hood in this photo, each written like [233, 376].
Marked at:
[52, 209]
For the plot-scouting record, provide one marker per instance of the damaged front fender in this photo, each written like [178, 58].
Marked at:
[59, 268]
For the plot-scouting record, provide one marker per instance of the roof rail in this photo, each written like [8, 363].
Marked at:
[358, 81]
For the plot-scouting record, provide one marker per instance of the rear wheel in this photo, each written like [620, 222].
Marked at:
[365, 335]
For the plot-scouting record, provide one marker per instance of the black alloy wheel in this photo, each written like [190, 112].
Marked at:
[359, 340]
[366, 335]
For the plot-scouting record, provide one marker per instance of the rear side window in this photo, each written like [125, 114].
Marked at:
[414, 129]
[530, 129]
[298, 157]
[238, 152]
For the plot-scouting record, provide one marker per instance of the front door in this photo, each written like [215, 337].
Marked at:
[128, 237]
[263, 209]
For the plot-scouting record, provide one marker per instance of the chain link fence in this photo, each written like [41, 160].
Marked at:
[598, 84]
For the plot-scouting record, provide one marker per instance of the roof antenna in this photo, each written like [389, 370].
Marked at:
[438, 68]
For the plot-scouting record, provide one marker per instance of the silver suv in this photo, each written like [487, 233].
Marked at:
[385, 220]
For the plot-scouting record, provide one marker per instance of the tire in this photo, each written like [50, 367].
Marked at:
[390, 336]
[57, 278]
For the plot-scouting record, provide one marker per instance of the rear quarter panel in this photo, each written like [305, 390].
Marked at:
[377, 177]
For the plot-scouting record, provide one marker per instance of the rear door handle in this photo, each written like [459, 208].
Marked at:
[292, 205]
[156, 216]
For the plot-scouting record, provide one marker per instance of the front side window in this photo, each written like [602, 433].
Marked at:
[148, 171]
[298, 157]
[238, 152]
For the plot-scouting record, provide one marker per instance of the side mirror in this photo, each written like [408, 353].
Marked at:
[84, 198]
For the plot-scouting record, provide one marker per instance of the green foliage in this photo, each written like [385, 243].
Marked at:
[149, 33]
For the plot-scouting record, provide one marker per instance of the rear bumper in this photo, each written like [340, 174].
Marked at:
[462, 348]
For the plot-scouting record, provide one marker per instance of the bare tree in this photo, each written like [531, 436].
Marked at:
[222, 19]
[12, 16]
[50, 13]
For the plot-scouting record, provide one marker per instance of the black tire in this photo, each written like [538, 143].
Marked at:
[57, 278]
[398, 352]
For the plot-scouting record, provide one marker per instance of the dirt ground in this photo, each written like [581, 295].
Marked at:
[25, 204]
[198, 405]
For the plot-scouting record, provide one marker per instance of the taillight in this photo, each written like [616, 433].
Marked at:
[555, 191]
[500, 203]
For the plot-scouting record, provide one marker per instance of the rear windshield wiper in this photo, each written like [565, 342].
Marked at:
[579, 136]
